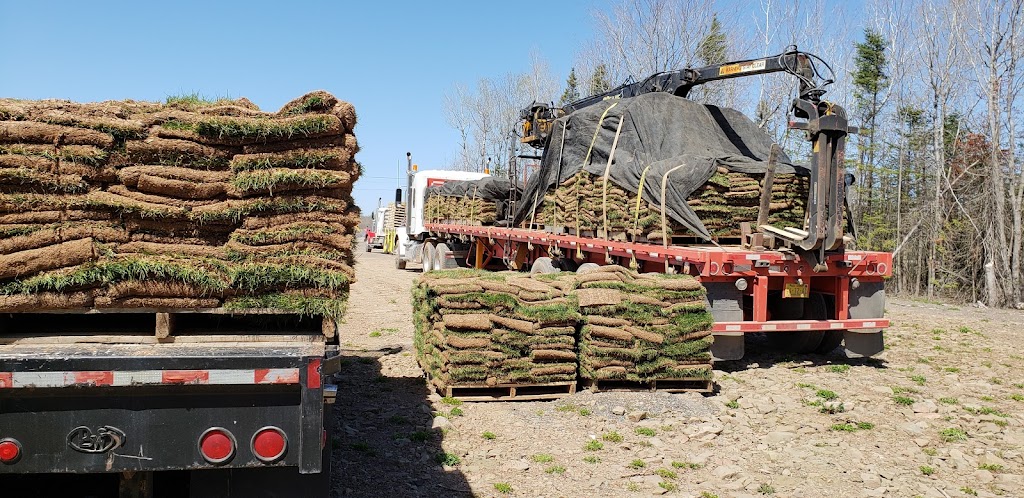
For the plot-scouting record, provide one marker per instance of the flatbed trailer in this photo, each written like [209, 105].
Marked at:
[231, 403]
[749, 291]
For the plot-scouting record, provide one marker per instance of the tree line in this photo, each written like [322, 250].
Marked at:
[934, 86]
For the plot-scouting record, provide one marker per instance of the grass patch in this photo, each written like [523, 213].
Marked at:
[953, 434]
[503, 487]
[448, 459]
[637, 464]
[951, 369]
[594, 445]
[555, 469]
[1017, 397]
[612, 437]
[838, 368]
[852, 426]
[733, 404]
[489, 435]
[926, 470]
[986, 410]
[666, 474]
[949, 401]
[592, 459]
[543, 458]
[448, 400]
[645, 431]
[918, 379]
[668, 486]
[686, 465]
[967, 490]
[268, 180]
[930, 451]
[903, 400]
[766, 489]
[456, 412]
[991, 467]
[585, 412]
[827, 395]
[421, 436]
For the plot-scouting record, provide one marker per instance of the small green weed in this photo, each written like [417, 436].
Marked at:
[451, 401]
[686, 465]
[594, 445]
[555, 469]
[448, 459]
[951, 369]
[838, 368]
[733, 404]
[991, 467]
[612, 437]
[926, 470]
[668, 486]
[503, 487]
[967, 490]
[707, 494]
[543, 458]
[903, 400]
[953, 434]
[585, 412]
[632, 487]
[918, 379]
[645, 431]
[592, 459]
[766, 489]
[949, 401]
[1017, 397]
[666, 474]
[930, 451]
[827, 395]
[489, 435]
[456, 412]
[637, 464]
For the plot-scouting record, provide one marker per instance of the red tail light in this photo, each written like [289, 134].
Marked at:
[217, 445]
[10, 451]
[269, 444]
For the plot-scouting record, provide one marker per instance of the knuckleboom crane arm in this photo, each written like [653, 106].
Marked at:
[825, 125]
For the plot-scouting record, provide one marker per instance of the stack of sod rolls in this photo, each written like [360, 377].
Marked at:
[459, 209]
[475, 327]
[722, 203]
[491, 328]
[186, 204]
[643, 327]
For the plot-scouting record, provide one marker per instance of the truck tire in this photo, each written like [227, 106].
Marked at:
[428, 256]
[369, 247]
[812, 308]
[441, 259]
[544, 266]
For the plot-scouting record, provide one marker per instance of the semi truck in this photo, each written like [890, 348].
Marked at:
[801, 287]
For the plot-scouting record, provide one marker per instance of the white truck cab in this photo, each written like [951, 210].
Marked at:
[414, 234]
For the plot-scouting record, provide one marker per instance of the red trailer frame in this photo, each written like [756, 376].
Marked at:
[762, 271]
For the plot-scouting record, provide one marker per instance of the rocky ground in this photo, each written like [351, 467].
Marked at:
[939, 413]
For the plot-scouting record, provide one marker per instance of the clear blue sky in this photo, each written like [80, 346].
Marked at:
[393, 60]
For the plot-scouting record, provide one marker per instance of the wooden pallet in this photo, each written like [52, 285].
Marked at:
[147, 325]
[664, 385]
[507, 392]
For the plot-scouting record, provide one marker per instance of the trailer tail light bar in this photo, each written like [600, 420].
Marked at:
[800, 325]
[10, 451]
[116, 378]
[217, 445]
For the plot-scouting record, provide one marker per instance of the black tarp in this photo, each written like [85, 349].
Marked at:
[488, 188]
[660, 133]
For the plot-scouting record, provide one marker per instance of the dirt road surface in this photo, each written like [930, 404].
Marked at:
[938, 414]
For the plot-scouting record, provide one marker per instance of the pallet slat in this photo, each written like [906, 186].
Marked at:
[664, 385]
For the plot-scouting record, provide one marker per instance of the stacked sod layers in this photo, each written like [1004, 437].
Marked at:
[188, 204]
[643, 327]
[657, 165]
[492, 328]
[480, 328]
[469, 202]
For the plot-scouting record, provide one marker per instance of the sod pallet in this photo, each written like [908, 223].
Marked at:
[584, 203]
[499, 331]
[642, 328]
[460, 209]
[182, 205]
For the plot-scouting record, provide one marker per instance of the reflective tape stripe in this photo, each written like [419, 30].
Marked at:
[148, 377]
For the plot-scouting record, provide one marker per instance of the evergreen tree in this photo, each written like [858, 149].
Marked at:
[869, 82]
[599, 81]
[572, 89]
[713, 48]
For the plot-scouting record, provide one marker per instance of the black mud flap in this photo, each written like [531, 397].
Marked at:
[724, 302]
[866, 301]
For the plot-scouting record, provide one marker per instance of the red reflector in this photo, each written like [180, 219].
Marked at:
[217, 445]
[269, 444]
[10, 451]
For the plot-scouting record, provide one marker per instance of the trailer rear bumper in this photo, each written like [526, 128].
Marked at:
[97, 408]
[868, 325]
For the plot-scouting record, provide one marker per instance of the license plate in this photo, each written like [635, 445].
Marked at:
[796, 291]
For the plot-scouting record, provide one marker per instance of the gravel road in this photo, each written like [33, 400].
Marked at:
[938, 414]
